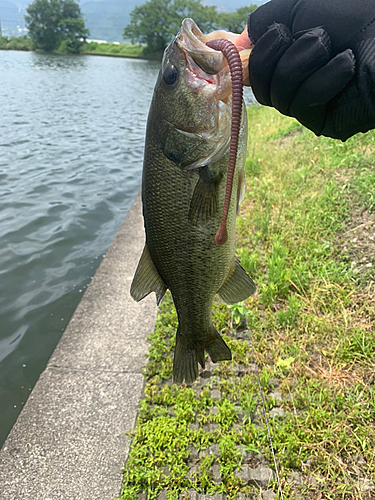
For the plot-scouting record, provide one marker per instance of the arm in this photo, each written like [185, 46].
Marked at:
[315, 60]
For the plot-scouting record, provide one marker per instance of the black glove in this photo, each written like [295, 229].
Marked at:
[315, 60]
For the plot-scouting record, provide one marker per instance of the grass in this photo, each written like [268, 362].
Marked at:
[312, 324]
[113, 49]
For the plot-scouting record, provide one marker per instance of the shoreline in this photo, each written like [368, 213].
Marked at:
[21, 45]
[117, 55]
[84, 54]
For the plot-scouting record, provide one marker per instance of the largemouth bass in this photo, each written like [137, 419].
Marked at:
[183, 191]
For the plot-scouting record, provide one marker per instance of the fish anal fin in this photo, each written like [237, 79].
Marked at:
[204, 202]
[238, 286]
[147, 279]
[217, 348]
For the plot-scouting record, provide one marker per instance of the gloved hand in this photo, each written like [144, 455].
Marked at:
[315, 60]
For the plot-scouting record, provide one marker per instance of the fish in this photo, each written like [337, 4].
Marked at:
[184, 185]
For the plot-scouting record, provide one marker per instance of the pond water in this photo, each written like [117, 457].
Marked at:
[71, 149]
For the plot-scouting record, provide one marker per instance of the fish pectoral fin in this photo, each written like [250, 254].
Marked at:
[185, 361]
[204, 202]
[238, 286]
[147, 279]
[217, 348]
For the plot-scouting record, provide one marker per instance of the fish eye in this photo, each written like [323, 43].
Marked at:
[170, 74]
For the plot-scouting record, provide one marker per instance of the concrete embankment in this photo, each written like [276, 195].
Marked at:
[69, 441]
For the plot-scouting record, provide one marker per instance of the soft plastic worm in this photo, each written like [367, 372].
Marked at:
[231, 54]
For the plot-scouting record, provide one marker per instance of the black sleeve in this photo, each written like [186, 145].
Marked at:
[315, 60]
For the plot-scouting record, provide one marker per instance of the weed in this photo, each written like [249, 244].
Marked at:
[363, 184]
[288, 316]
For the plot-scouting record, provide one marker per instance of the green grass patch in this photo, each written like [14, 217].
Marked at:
[363, 185]
[312, 323]
[113, 49]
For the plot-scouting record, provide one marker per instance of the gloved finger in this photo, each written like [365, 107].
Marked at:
[348, 114]
[320, 88]
[326, 83]
[264, 58]
[263, 17]
[305, 56]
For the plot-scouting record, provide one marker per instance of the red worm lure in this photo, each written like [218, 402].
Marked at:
[231, 54]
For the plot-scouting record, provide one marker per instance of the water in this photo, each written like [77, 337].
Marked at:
[71, 149]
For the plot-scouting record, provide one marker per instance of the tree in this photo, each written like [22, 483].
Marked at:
[156, 22]
[235, 21]
[51, 22]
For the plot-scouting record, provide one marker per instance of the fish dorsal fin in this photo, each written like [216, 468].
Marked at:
[147, 279]
[238, 286]
[204, 202]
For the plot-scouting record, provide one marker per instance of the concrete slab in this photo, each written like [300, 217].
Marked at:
[69, 441]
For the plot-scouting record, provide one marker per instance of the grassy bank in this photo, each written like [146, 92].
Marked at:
[92, 48]
[20, 43]
[112, 49]
[306, 234]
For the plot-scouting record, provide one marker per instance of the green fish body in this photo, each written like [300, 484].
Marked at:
[183, 189]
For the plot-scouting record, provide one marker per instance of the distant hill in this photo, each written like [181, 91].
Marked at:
[106, 19]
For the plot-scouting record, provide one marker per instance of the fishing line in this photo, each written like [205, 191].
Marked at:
[264, 407]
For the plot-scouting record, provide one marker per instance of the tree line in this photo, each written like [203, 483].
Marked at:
[54, 24]
[156, 22]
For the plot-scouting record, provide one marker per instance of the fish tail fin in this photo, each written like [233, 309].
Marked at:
[185, 362]
[217, 348]
[186, 359]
